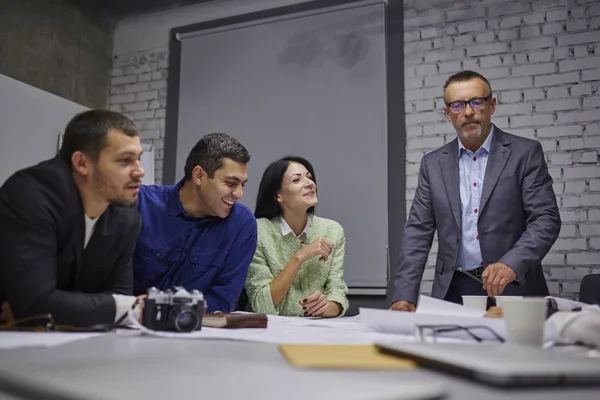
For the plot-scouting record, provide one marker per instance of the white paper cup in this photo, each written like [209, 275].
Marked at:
[478, 302]
[524, 318]
[500, 299]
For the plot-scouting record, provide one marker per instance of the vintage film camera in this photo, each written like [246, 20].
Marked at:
[175, 309]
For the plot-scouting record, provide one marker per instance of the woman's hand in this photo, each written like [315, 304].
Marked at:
[319, 247]
[317, 305]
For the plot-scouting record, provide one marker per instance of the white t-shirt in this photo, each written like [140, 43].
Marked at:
[90, 224]
[122, 303]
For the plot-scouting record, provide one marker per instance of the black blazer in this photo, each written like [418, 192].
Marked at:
[43, 266]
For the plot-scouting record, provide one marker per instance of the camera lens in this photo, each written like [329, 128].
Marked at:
[186, 321]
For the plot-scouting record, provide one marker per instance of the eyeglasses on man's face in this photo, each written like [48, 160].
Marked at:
[476, 103]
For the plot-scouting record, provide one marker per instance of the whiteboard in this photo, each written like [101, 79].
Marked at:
[30, 123]
[148, 163]
[312, 85]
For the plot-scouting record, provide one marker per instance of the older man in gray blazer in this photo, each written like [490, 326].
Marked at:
[489, 195]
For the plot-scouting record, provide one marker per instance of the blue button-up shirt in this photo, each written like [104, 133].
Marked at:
[210, 254]
[471, 172]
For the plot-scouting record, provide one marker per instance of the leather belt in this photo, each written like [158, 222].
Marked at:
[477, 271]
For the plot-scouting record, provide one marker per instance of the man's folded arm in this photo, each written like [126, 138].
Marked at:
[122, 277]
[28, 244]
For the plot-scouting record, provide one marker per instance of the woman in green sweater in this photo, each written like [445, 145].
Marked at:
[298, 266]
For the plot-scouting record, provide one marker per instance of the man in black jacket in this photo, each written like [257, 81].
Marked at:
[68, 226]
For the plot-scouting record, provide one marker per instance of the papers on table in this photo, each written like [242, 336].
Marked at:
[567, 304]
[406, 323]
[288, 330]
[432, 312]
[15, 340]
[370, 327]
[430, 306]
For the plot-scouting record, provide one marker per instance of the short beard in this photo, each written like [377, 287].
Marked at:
[124, 203]
[106, 188]
[471, 137]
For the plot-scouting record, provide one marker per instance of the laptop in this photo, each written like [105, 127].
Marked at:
[503, 365]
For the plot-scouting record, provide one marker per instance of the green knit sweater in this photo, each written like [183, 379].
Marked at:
[273, 251]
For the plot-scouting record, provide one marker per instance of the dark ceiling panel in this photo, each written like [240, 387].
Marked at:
[126, 8]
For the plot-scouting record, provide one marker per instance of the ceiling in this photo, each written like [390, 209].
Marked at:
[117, 9]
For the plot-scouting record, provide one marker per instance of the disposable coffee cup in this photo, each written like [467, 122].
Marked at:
[500, 299]
[525, 318]
[478, 302]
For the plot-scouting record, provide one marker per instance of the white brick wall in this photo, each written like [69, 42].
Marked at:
[141, 55]
[139, 90]
[543, 60]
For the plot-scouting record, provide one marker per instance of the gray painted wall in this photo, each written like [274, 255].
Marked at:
[54, 46]
[27, 141]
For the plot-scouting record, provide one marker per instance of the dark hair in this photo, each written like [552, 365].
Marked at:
[270, 183]
[210, 151]
[88, 131]
[464, 76]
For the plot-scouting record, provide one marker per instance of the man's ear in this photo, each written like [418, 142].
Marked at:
[198, 175]
[81, 162]
[447, 112]
[493, 106]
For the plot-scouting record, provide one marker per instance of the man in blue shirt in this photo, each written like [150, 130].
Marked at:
[195, 234]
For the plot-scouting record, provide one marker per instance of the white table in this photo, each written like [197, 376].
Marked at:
[132, 367]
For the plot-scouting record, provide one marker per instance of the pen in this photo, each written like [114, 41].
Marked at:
[470, 275]
[124, 316]
[331, 246]
[516, 283]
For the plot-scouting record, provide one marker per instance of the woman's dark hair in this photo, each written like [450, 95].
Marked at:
[270, 183]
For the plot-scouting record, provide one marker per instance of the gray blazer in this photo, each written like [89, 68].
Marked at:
[518, 218]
